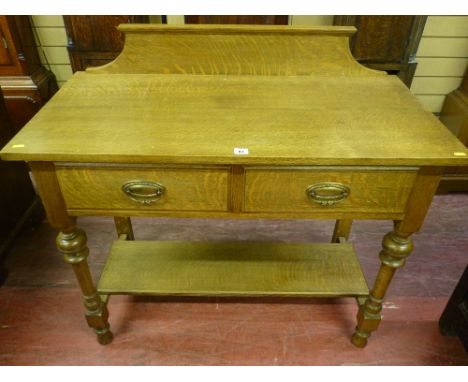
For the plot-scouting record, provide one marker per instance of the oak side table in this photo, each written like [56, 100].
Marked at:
[235, 122]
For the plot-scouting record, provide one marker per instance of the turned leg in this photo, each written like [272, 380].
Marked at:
[72, 244]
[396, 247]
[123, 226]
[342, 229]
[71, 241]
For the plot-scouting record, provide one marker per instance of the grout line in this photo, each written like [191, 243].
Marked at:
[458, 58]
[434, 94]
[442, 77]
[462, 58]
[40, 47]
[438, 76]
[434, 36]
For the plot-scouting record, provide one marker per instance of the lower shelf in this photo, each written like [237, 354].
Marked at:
[232, 269]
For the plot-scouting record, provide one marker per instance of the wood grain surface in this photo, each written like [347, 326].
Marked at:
[276, 190]
[236, 50]
[45, 180]
[186, 189]
[150, 118]
[229, 269]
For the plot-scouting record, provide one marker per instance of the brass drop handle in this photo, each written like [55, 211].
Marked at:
[328, 193]
[143, 191]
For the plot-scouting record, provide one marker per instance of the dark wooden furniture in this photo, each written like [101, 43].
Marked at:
[454, 319]
[386, 42]
[95, 40]
[454, 115]
[241, 148]
[17, 196]
[25, 82]
[26, 85]
[231, 19]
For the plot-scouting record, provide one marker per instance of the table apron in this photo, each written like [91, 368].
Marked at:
[236, 192]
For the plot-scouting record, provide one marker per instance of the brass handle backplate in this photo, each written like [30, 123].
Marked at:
[143, 191]
[327, 193]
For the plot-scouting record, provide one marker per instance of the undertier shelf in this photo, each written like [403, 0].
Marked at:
[232, 269]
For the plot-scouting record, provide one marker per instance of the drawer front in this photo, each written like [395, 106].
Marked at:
[146, 188]
[343, 190]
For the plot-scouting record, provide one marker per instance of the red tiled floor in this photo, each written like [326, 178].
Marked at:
[45, 326]
[41, 319]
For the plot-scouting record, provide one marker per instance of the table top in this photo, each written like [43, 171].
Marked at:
[315, 119]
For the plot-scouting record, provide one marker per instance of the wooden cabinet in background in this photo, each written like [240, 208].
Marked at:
[386, 42]
[18, 201]
[454, 115]
[454, 319]
[94, 40]
[231, 19]
[25, 83]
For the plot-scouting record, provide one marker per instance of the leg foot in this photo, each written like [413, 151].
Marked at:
[104, 336]
[359, 339]
[368, 320]
[97, 317]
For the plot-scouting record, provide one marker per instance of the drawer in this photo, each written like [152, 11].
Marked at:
[339, 189]
[144, 188]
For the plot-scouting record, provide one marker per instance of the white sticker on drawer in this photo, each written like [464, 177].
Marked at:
[241, 151]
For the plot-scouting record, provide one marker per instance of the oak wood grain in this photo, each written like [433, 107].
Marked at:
[186, 189]
[312, 214]
[149, 118]
[236, 49]
[229, 269]
[420, 199]
[49, 190]
[236, 188]
[276, 190]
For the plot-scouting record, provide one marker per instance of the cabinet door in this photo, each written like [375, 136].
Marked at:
[386, 42]
[244, 19]
[95, 40]
[386, 39]
[9, 62]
